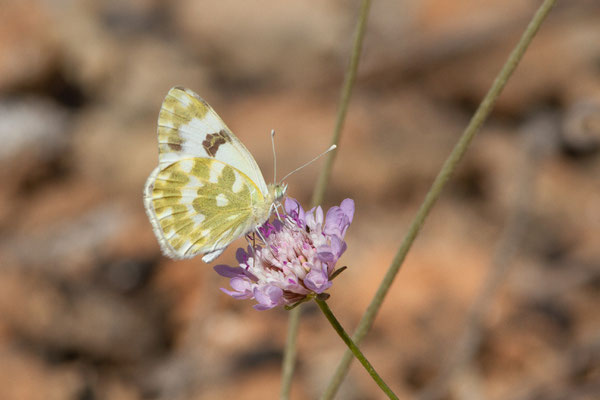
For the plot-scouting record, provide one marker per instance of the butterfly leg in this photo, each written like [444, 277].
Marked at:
[287, 218]
[275, 208]
[260, 235]
[251, 238]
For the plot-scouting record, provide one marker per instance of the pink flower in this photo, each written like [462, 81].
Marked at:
[298, 258]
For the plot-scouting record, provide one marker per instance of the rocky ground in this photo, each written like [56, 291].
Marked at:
[89, 309]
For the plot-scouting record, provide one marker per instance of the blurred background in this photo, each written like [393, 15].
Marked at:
[499, 296]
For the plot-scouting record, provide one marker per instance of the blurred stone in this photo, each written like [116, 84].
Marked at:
[28, 45]
[88, 52]
[292, 42]
[581, 127]
[31, 126]
[158, 66]
[84, 320]
[115, 388]
[527, 86]
[34, 149]
[66, 247]
[416, 37]
[25, 377]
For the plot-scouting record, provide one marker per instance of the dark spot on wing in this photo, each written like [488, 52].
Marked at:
[214, 140]
[175, 146]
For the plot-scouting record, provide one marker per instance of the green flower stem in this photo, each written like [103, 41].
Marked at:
[289, 358]
[353, 348]
[448, 168]
[462, 353]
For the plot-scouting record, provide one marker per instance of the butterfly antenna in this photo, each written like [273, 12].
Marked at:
[274, 155]
[333, 146]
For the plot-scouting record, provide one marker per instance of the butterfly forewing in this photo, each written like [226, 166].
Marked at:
[189, 127]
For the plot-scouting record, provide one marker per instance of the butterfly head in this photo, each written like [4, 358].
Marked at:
[278, 191]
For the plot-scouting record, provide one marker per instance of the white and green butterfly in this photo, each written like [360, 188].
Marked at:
[207, 190]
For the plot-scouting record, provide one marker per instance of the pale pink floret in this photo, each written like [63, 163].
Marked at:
[298, 258]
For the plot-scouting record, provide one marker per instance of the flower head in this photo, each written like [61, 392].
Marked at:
[296, 257]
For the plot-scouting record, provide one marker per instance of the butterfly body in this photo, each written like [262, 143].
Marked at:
[207, 190]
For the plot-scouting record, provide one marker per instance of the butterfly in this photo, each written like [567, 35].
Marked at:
[207, 190]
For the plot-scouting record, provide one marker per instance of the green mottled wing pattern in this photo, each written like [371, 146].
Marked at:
[207, 190]
[201, 205]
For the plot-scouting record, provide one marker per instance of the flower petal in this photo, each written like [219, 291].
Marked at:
[338, 246]
[267, 297]
[317, 280]
[339, 218]
[229, 272]
[241, 255]
[295, 210]
[348, 206]
[314, 219]
[240, 284]
[237, 295]
[326, 254]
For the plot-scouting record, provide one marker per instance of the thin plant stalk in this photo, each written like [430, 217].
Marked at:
[289, 357]
[438, 184]
[508, 245]
[352, 347]
[349, 79]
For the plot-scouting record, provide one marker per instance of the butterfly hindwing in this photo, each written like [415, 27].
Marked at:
[198, 205]
[189, 127]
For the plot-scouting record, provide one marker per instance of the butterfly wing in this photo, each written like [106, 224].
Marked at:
[188, 127]
[207, 190]
[201, 205]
